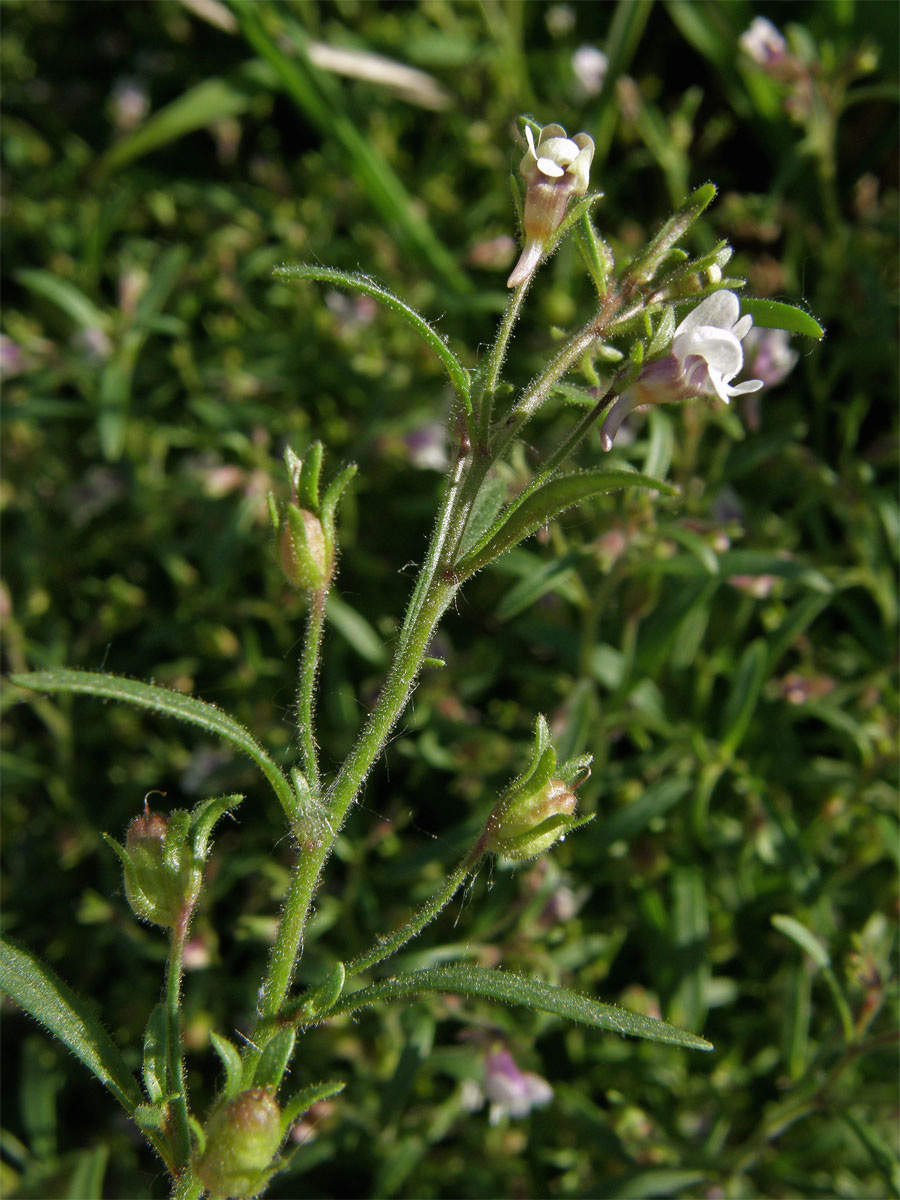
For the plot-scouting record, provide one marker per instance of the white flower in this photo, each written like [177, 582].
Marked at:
[555, 169]
[763, 43]
[590, 66]
[705, 356]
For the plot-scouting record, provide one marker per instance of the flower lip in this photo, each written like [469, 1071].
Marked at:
[555, 155]
[705, 355]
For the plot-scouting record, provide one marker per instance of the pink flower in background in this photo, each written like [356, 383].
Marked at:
[510, 1091]
[768, 355]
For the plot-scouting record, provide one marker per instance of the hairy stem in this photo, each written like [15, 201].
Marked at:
[174, 970]
[494, 361]
[388, 946]
[306, 687]
[187, 1186]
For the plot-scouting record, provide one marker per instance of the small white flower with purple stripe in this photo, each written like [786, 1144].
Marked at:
[705, 356]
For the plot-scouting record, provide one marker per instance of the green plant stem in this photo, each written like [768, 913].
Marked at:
[314, 852]
[187, 1186]
[306, 688]
[388, 946]
[493, 364]
[449, 502]
[539, 389]
[174, 970]
[569, 444]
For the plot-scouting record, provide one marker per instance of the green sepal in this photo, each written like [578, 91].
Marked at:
[198, 1134]
[124, 857]
[274, 1059]
[231, 1061]
[308, 477]
[530, 844]
[542, 755]
[156, 1055]
[576, 769]
[574, 214]
[334, 492]
[519, 521]
[662, 335]
[177, 833]
[647, 264]
[204, 817]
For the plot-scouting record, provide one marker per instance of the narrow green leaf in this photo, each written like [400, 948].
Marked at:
[168, 704]
[368, 287]
[298, 1104]
[690, 933]
[321, 100]
[197, 108]
[549, 575]
[774, 314]
[43, 995]
[654, 1183]
[746, 686]
[521, 519]
[65, 295]
[487, 504]
[804, 938]
[86, 1180]
[356, 630]
[510, 988]
[274, 1059]
[231, 1061]
[818, 952]
[884, 1156]
[647, 264]
[631, 820]
[155, 1055]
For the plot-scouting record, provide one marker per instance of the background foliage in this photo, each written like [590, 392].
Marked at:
[728, 655]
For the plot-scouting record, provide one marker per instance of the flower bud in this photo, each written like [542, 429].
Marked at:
[555, 169]
[307, 541]
[307, 559]
[533, 821]
[242, 1138]
[154, 890]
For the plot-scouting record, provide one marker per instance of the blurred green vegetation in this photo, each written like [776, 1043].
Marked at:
[728, 656]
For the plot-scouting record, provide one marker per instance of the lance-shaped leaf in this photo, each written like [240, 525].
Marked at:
[298, 1104]
[510, 988]
[521, 519]
[156, 1055]
[774, 314]
[645, 267]
[168, 704]
[368, 287]
[43, 995]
